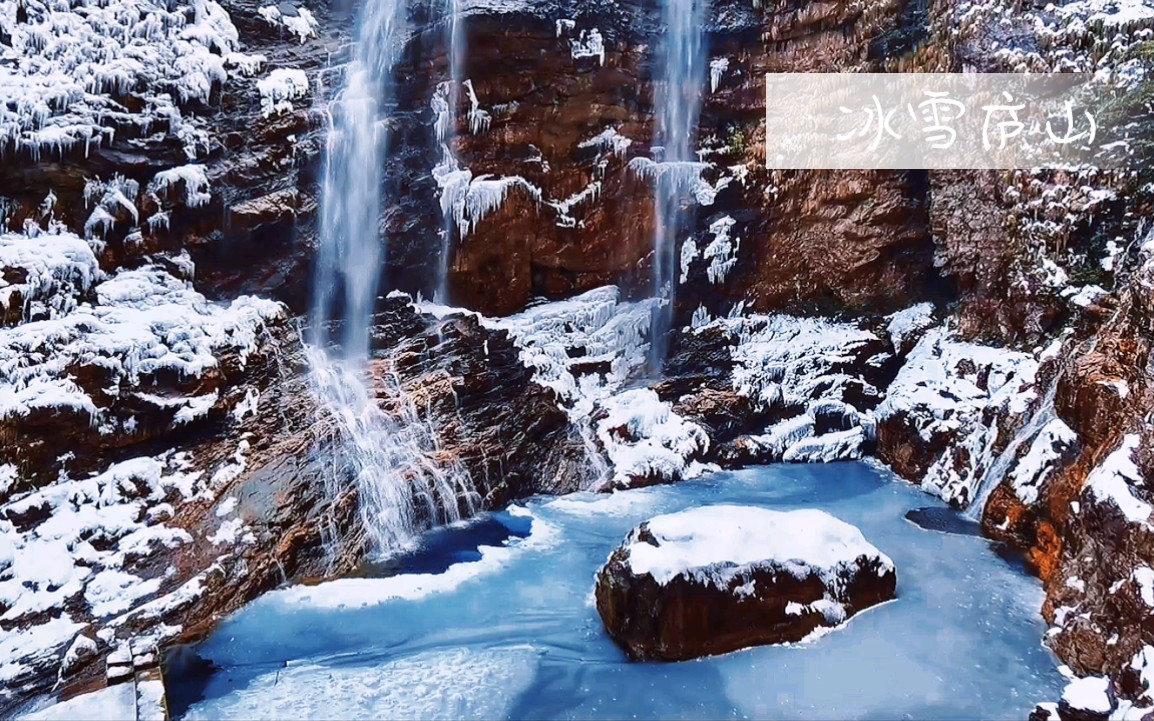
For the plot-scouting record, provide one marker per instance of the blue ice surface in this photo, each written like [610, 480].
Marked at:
[520, 637]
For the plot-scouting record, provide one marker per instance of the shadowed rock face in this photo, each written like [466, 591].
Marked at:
[765, 602]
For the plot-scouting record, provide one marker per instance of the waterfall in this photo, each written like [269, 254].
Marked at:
[351, 249]
[1043, 414]
[404, 482]
[450, 176]
[681, 59]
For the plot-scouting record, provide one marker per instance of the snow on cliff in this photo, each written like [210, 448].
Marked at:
[139, 324]
[75, 73]
[943, 392]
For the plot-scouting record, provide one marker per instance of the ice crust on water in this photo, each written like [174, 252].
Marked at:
[367, 592]
[458, 683]
[952, 588]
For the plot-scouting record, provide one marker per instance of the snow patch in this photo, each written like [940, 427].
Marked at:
[1113, 482]
[280, 88]
[718, 544]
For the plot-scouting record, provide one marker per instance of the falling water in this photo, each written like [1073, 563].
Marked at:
[681, 80]
[446, 101]
[404, 483]
[1043, 414]
[351, 248]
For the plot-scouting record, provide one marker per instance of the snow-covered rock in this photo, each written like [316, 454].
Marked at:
[933, 426]
[142, 328]
[1086, 699]
[1114, 480]
[714, 579]
[71, 71]
[789, 360]
[44, 276]
[648, 443]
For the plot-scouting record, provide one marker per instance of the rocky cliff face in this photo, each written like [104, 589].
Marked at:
[985, 334]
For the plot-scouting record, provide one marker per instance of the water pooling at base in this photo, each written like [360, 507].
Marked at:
[509, 631]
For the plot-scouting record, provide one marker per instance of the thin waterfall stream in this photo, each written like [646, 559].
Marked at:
[681, 62]
[1005, 460]
[446, 100]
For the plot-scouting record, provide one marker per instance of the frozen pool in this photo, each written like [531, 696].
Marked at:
[510, 630]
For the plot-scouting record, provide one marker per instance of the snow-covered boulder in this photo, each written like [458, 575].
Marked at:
[1086, 699]
[714, 579]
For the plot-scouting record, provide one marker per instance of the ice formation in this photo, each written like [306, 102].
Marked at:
[72, 68]
[722, 250]
[1032, 470]
[944, 389]
[297, 20]
[564, 207]
[194, 179]
[788, 359]
[717, 68]
[140, 323]
[594, 330]
[55, 271]
[646, 440]
[588, 44]
[83, 554]
[280, 88]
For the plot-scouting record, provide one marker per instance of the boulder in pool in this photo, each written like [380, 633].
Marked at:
[715, 579]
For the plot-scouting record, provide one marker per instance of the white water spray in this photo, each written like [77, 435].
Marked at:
[404, 483]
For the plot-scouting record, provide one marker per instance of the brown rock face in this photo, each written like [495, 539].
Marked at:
[722, 607]
[808, 239]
